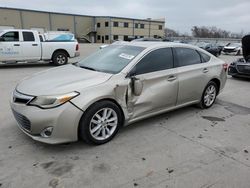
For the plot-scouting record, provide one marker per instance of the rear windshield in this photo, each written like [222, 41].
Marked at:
[111, 59]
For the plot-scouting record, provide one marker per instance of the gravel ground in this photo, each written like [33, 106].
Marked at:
[184, 148]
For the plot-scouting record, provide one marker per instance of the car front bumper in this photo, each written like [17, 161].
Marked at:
[239, 70]
[33, 120]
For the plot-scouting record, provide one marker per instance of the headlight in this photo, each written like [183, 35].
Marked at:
[52, 101]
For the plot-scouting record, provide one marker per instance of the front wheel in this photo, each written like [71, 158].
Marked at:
[100, 123]
[60, 58]
[209, 95]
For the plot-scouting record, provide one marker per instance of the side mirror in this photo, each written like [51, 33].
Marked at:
[137, 86]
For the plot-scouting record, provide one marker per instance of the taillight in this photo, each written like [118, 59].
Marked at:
[77, 47]
[225, 66]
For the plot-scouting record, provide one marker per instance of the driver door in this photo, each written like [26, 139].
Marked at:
[10, 46]
[157, 75]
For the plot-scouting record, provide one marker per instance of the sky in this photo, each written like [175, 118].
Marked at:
[180, 15]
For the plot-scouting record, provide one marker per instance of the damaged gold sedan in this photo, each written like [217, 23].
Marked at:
[117, 85]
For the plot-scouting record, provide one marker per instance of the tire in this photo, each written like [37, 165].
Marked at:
[60, 58]
[209, 96]
[94, 118]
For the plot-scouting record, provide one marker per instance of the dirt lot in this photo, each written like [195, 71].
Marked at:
[184, 148]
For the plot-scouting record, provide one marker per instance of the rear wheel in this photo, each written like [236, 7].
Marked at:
[100, 123]
[209, 95]
[60, 58]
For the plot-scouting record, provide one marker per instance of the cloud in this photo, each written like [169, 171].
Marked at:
[180, 15]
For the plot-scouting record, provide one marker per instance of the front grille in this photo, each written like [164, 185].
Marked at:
[229, 50]
[245, 69]
[22, 120]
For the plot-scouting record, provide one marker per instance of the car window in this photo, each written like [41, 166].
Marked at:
[205, 58]
[11, 36]
[28, 36]
[187, 56]
[157, 60]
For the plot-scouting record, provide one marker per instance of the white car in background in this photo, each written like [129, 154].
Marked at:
[18, 45]
[233, 48]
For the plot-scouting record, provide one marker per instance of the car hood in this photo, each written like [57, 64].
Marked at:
[246, 47]
[231, 47]
[61, 80]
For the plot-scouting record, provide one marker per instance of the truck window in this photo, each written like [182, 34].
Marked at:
[28, 36]
[41, 38]
[11, 36]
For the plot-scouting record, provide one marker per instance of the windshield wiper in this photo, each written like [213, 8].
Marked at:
[89, 68]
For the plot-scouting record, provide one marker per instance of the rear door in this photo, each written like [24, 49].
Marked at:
[157, 75]
[31, 46]
[192, 74]
[10, 46]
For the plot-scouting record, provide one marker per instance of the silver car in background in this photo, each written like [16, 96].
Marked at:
[115, 86]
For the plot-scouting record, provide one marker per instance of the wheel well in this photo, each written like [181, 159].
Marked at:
[60, 50]
[107, 99]
[217, 81]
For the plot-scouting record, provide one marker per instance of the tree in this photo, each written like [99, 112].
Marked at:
[209, 32]
[171, 33]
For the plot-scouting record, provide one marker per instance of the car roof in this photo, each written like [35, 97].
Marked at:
[6, 30]
[152, 45]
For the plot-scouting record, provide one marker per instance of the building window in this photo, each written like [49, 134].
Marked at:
[125, 38]
[142, 26]
[115, 37]
[116, 24]
[155, 36]
[98, 37]
[106, 37]
[62, 29]
[106, 24]
[98, 24]
[160, 27]
[125, 24]
[136, 25]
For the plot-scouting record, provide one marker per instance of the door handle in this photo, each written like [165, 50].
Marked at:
[171, 78]
[34, 44]
[16, 44]
[205, 70]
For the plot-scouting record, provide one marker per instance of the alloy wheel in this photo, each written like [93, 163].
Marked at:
[103, 124]
[210, 95]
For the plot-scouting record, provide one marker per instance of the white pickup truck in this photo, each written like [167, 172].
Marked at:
[18, 45]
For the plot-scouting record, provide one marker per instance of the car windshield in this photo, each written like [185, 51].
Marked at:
[234, 45]
[111, 59]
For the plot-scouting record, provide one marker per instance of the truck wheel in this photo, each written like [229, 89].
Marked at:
[60, 58]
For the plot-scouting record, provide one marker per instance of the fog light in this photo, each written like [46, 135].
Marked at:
[47, 132]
